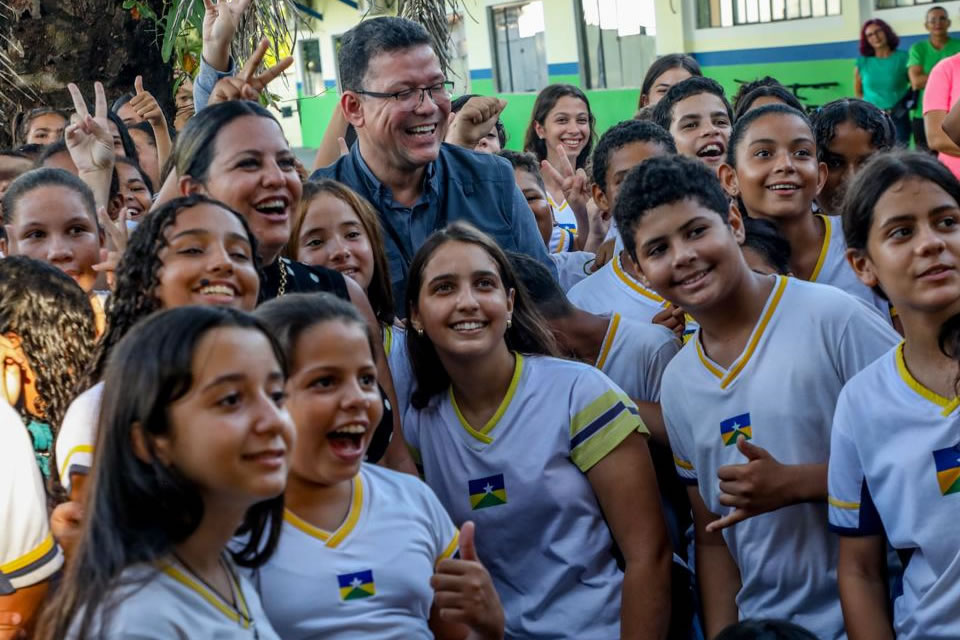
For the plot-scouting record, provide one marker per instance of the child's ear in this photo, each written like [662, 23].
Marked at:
[862, 265]
[148, 448]
[114, 206]
[600, 198]
[821, 176]
[728, 180]
[188, 186]
[735, 221]
[539, 130]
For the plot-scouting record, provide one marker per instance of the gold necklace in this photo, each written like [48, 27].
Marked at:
[283, 278]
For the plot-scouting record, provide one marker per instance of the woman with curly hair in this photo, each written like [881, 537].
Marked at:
[191, 251]
[46, 338]
[880, 76]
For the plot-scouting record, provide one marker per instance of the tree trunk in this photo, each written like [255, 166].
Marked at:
[49, 43]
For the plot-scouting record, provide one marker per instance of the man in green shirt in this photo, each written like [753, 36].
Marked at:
[922, 58]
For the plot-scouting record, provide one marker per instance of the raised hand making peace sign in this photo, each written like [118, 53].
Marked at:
[247, 85]
[89, 140]
[576, 191]
[90, 143]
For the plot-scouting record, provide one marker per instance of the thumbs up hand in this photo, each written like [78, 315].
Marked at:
[760, 485]
[464, 593]
[146, 106]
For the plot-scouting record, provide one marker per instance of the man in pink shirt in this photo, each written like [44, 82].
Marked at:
[942, 91]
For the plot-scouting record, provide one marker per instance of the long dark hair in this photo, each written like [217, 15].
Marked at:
[546, 101]
[54, 321]
[877, 175]
[195, 148]
[289, 316]
[129, 148]
[663, 64]
[137, 510]
[379, 290]
[133, 297]
[528, 333]
[949, 341]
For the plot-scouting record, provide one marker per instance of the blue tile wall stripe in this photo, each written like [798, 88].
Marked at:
[798, 53]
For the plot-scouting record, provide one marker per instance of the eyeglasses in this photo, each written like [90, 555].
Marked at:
[937, 19]
[439, 92]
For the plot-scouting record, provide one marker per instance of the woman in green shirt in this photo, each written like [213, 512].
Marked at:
[880, 76]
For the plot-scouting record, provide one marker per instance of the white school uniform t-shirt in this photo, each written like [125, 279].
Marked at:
[610, 289]
[28, 553]
[562, 240]
[780, 393]
[895, 468]
[170, 602]
[563, 214]
[832, 268]
[572, 267]
[635, 355]
[521, 479]
[395, 347]
[369, 578]
[78, 435]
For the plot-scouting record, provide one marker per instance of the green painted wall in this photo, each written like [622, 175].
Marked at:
[315, 113]
[808, 72]
[610, 106]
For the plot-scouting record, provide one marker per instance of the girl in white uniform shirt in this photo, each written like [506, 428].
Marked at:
[894, 470]
[361, 545]
[535, 449]
[191, 250]
[338, 229]
[194, 444]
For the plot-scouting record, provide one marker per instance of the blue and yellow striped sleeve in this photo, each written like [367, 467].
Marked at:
[850, 506]
[32, 567]
[603, 422]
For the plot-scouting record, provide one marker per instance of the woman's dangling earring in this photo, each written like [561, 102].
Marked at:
[509, 322]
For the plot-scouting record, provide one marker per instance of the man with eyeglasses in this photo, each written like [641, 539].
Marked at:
[395, 95]
[921, 59]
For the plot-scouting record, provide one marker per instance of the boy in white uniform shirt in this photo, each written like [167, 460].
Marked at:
[726, 398]
[614, 287]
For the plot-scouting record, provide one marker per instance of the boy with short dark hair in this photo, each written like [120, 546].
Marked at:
[748, 403]
[615, 287]
[698, 115]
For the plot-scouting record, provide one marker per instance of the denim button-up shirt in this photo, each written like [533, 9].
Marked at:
[459, 185]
